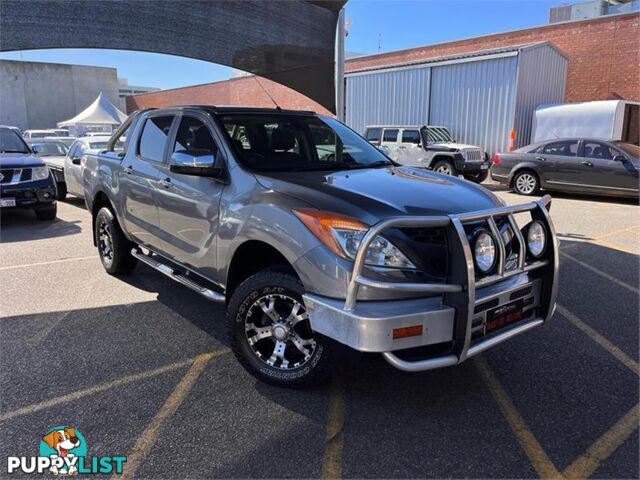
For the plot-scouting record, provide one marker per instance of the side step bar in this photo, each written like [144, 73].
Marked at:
[171, 273]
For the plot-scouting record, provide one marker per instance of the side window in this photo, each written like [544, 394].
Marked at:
[390, 136]
[411, 136]
[72, 151]
[597, 150]
[373, 135]
[154, 138]
[566, 149]
[194, 136]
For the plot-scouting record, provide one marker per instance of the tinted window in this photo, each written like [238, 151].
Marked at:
[390, 136]
[298, 143]
[154, 138]
[566, 149]
[373, 135]
[410, 136]
[599, 150]
[193, 135]
[10, 142]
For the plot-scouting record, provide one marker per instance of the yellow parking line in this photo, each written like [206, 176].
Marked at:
[147, 440]
[332, 460]
[601, 273]
[600, 340]
[36, 407]
[50, 262]
[585, 465]
[528, 442]
[614, 232]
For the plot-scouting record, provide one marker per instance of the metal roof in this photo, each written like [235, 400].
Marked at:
[506, 51]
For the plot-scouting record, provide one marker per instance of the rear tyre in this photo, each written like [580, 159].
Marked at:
[445, 167]
[477, 177]
[526, 182]
[62, 191]
[47, 213]
[113, 247]
[270, 333]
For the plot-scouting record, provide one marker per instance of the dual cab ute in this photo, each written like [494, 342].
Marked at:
[317, 241]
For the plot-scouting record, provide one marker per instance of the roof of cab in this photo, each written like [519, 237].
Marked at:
[225, 109]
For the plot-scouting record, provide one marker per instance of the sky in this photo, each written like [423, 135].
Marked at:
[376, 25]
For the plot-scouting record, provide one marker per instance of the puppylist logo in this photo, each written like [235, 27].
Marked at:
[63, 451]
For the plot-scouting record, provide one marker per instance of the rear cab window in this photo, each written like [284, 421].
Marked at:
[373, 135]
[153, 140]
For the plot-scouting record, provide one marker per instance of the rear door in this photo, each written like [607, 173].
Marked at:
[602, 171]
[188, 204]
[139, 179]
[390, 141]
[410, 148]
[558, 163]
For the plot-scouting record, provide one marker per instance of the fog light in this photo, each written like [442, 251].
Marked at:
[536, 239]
[484, 252]
[46, 195]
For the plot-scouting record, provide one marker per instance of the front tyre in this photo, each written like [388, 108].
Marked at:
[113, 247]
[446, 167]
[270, 333]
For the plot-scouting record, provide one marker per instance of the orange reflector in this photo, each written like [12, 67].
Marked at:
[404, 332]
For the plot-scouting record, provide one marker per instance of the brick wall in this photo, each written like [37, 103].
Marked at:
[604, 63]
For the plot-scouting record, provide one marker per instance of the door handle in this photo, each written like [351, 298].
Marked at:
[588, 164]
[166, 183]
[542, 159]
[128, 170]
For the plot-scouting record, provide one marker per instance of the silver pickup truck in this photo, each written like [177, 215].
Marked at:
[316, 241]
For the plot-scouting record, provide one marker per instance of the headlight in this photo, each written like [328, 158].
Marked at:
[343, 236]
[536, 239]
[484, 251]
[39, 173]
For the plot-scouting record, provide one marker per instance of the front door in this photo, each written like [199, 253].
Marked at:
[558, 164]
[188, 204]
[390, 140]
[410, 150]
[603, 172]
[139, 178]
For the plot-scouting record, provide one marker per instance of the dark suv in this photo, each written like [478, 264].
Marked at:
[25, 181]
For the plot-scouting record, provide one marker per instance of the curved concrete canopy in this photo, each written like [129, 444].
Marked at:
[291, 42]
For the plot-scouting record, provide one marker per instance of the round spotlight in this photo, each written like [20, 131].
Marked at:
[484, 251]
[536, 239]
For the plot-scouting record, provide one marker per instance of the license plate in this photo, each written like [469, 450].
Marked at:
[7, 202]
[484, 167]
[504, 315]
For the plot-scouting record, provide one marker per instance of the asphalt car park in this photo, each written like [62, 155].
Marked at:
[140, 366]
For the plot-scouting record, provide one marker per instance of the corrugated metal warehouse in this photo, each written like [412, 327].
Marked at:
[480, 96]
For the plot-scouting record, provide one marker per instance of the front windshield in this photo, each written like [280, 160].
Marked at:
[10, 142]
[630, 148]
[52, 149]
[438, 135]
[282, 142]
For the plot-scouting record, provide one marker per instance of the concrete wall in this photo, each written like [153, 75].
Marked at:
[39, 95]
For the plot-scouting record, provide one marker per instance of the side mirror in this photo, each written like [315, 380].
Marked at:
[37, 148]
[619, 158]
[195, 162]
[76, 160]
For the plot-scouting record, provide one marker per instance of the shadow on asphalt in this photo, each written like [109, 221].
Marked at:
[22, 225]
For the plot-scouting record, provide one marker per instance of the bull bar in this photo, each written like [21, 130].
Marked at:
[459, 293]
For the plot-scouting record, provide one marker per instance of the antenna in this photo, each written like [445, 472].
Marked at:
[267, 93]
[379, 42]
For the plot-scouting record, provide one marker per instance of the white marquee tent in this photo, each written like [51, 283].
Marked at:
[101, 113]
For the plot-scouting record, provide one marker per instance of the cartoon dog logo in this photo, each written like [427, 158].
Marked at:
[62, 440]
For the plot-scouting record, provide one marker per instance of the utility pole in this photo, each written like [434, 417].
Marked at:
[339, 66]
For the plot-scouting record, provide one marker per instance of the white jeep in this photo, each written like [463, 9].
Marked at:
[430, 147]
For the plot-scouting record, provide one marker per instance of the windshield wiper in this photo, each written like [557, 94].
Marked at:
[376, 164]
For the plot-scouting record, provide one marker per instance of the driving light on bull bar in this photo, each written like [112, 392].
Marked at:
[343, 235]
[536, 239]
[484, 251]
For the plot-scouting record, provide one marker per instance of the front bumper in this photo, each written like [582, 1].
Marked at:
[30, 194]
[457, 320]
[472, 167]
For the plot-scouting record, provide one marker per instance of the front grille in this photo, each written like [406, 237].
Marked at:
[25, 175]
[473, 155]
[7, 175]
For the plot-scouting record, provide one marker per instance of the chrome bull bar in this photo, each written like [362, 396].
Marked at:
[460, 293]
